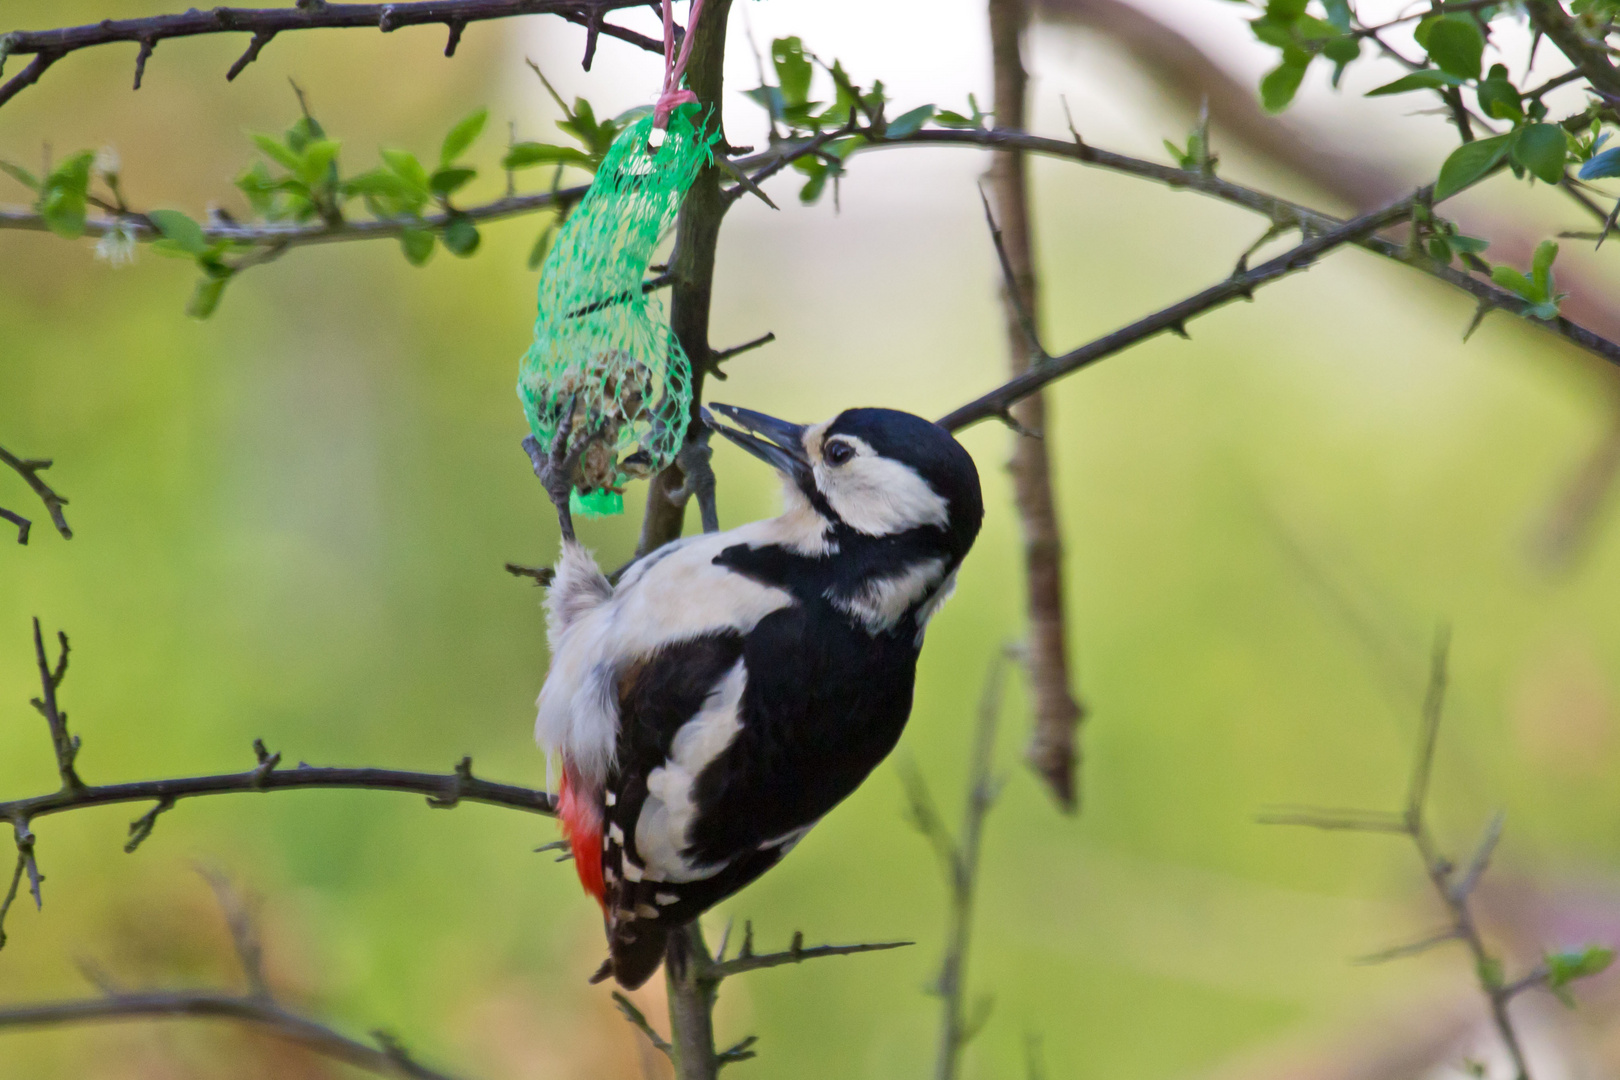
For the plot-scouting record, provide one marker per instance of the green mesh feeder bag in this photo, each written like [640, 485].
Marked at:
[601, 345]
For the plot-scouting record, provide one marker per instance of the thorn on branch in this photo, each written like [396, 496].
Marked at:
[260, 40]
[241, 919]
[267, 764]
[141, 827]
[639, 1020]
[593, 30]
[463, 776]
[1486, 306]
[542, 575]
[1399, 952]
[29, 469]
[740, 1052]
[795, 953]
[23, 524]
[147, 45]
[1179, 328]
[1010, 283]
[1007, 418]
[715, 359]
[456, 27]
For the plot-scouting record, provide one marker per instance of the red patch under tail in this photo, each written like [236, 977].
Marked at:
[580, 810]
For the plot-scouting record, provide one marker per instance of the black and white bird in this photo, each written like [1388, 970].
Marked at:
[734, 687]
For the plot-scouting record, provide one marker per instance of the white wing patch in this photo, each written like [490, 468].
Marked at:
[675, 594]
[879, 603]
[664, 826]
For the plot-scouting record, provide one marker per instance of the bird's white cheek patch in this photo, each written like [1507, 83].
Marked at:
[880, 496]
[664, 827]
[934, 603]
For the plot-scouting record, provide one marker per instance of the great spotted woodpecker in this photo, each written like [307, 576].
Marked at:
[734, 687]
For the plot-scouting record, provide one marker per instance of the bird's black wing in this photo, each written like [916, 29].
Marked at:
[817, 707]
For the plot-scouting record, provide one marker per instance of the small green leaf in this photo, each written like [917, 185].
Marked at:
[272, 148]
[1473, 245]
[1427, 79]
[908, 123]
[404, 165]
[1541, 148]
[1564, 968]
[21, 175]
[1498, 97]
[460, 236]
[181, 230]
[315, 167]
[1338, 13]
[1456, 45]
[1541, 269]
[1469, 163]
[461, 137]
[542, 245]
[1277, 89]
[1490, 972]
[1285, 10]
[1343, 49]
[1513, 281]
[205, 297]
[417, 245]
[447, 181]
[525, 155]
[793, 69]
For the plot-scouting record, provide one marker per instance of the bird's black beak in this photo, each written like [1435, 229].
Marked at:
[782, 445]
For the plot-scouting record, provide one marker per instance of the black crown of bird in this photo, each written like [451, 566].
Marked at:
[733, 687]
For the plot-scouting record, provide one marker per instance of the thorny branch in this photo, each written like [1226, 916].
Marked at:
[1053, 750]
[49, 46]
[276, 237]
[694, 975]
[1174, 318]
[1454, 885]
[442, 790]
[959, 856]
[256, 1007]
[29, 469]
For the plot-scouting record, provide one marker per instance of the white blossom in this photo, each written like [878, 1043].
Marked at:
[117, 244]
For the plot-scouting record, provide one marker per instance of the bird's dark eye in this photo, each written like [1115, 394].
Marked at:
[838, 452]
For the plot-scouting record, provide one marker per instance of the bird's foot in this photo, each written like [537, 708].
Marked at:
[693, 459]
[555, 468]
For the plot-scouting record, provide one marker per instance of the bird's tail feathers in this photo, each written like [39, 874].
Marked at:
[580, 810]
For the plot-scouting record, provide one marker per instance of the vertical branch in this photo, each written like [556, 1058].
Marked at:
[1053, 751]
[697, 233]
[50, 679]
[959, 857]
[692, 990]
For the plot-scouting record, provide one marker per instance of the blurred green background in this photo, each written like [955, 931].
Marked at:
[291, 522]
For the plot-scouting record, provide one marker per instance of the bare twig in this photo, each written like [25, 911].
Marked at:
[65, 746]
[48, 46]
[29, 469]
[798, 954]
[996, 402]
[1455, 892]
[959, 856]
[388, 1059]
